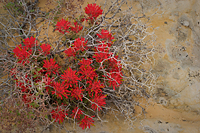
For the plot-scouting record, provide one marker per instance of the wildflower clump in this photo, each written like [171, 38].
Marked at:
[76, 91]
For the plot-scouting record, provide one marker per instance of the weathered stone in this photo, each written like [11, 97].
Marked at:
[186, 23]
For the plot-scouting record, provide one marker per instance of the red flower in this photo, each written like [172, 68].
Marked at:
[50, 66]
[45, 48]
[70, 52]
[21, 85]
[30, 42]
[60, 90]
[58, 115]
[114, 65]
[22, 53]
[115, 79]
[80, 44]
[95, 86]
[48, 82]
[76, 113]
[93, 11]
[100, 56]
[103, 53]
[87, 72]
[76, 27]
[77, 93]
[103, 47]
[24, 84]
[85, 62]
[86, 122]
[106, 35]
[62, 26]
[13, 71]
[70, 77]
[26, 99]
[82, 18]
[99, 100]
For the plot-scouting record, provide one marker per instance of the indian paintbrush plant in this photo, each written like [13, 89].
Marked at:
[73, 91]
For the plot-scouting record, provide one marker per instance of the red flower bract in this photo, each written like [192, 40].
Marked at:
[62, 26]
[45, 48]
[114, 65]
[51, 66]
[60, 90]
[115, 79]
[76, 27]
[95, 87]
[103, 47]
[86, 122]
[99, 100]
[80, 44]
[77, 93]
[58, 114]
[30, 42]
[93, 11]
[26, 99]
[70, 77]
[106, 35]
[101, 56]
[22, 86]
[85, 62]
[102, 52]
[48, 82]
[87, 72]
[22, 53]
[76, 113]
[70, 52]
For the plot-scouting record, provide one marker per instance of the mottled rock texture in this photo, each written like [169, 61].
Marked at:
[177, 60]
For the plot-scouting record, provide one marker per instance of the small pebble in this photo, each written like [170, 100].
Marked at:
[186, 23]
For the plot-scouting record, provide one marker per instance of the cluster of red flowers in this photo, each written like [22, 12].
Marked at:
[64, 26]
[59, 114]
[24, 52]
[93, 11]
[96, 70]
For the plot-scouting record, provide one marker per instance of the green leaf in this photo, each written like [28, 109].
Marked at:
[30, 112]
[55, 18]
[18, 114]
[35, 76]
[19, 47]
[114, 40]
[38, 69]
[32, 10]
[34, 105]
